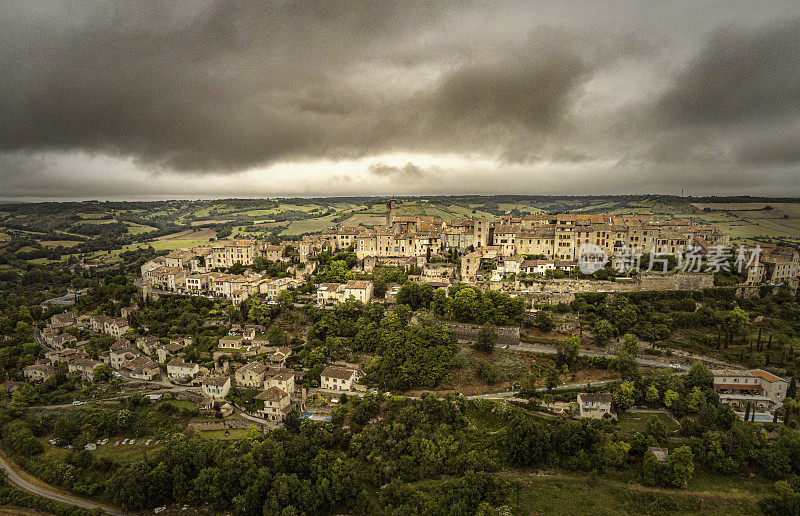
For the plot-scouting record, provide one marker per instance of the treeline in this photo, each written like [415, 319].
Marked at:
[464, 303]
[381, 455]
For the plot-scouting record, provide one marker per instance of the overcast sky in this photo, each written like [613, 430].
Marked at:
[116, 100]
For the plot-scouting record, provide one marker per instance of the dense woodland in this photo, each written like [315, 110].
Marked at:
[378, 449]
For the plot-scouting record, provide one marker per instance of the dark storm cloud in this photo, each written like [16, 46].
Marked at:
[681, 93]
[776, 152]
[528, 88]
[226, 86]
[736, 101]
[739, 75]
[235, 85]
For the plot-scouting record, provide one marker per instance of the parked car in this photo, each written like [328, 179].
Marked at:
[148, 442]
[52, 441]
[132, 441]
[125, 441]
[77, 403]
[104, 441]
[117, 443]
[504, 346]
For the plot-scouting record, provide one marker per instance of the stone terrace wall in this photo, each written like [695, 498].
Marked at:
[563, 290]
[505, 334]
[643, 283]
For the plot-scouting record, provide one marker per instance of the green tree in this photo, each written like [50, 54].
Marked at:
[65, 429]
[276, 335]
[651, 470]
[696, 399]
[487, 338]
[124, 419]
[699, 376]
[652, 395]
[19, 439]
[782, 500]
[567, 351]
[679, 467]
[544, 321]
[626, 365]
[252, 433]
[551, 380]
[734, 324]
[624, 396]
[102, 373]
[528, 386]
[602, 331]
[439, 304]
[670, 397]
[656, 428]
[292, 421]
[465, 304]
[630, 344]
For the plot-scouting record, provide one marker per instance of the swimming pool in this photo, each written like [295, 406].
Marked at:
[315, 417]
[759, 417]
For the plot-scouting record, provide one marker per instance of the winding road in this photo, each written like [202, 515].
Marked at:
[12, 476]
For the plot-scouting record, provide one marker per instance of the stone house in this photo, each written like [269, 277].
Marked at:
[177, 368]
[339, 378]
[84, 366]
[594, 405]
[276, 404]
[251, 375]
[283, 381]
[39, 372]
[216, 387]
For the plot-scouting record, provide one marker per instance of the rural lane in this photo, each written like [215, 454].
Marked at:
[27, 486]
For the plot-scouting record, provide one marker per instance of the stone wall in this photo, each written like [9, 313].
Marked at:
[439, 271]
[644, 282]
[563, 290]
[399, 261]
[463, 331]
[225, 424]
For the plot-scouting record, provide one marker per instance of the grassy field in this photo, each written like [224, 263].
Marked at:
[637, 421]
[183, 239]
[298, 227]
[121, 453]
[92, 216]
[524, 207]
[209, 221]
[160, 245]
[137, 229]
[365, 220]
[748, 220]
[220, 434]
[62, 243]
[563, 493]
